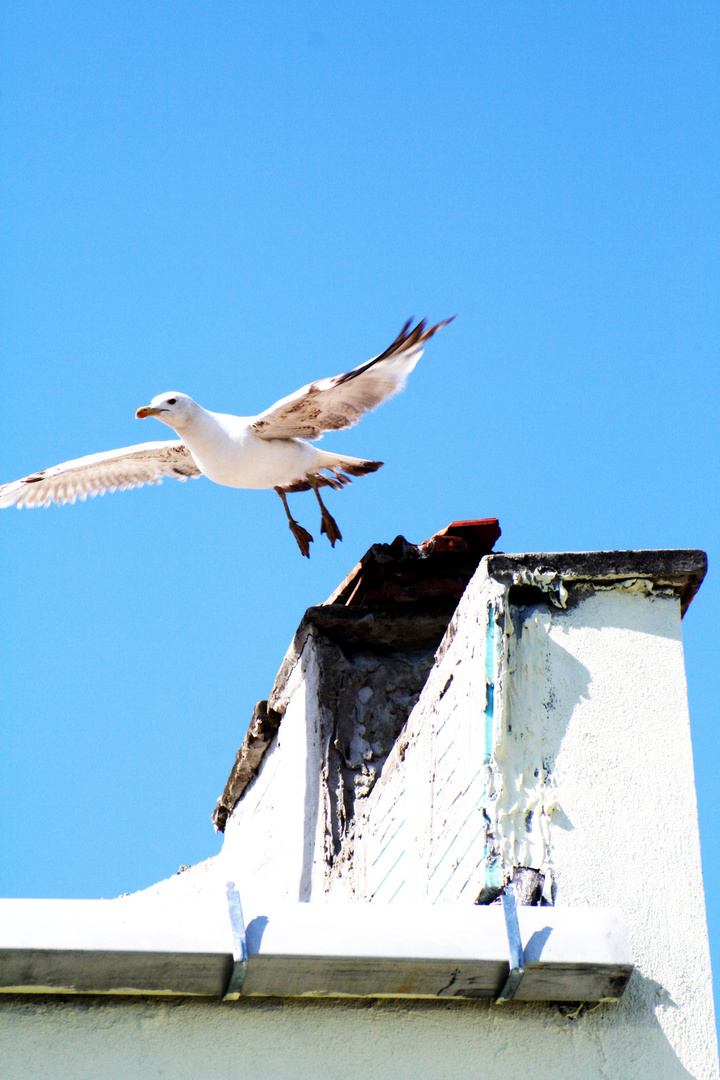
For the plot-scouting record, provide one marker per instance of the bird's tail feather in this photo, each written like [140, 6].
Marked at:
[337, 466]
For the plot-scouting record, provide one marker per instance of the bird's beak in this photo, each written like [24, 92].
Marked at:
[148, 410]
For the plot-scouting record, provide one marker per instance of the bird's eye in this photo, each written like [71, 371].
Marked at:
[172, 400]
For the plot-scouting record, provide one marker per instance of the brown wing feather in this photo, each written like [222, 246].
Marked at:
[341, 401]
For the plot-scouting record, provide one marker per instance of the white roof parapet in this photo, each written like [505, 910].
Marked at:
[680, 569]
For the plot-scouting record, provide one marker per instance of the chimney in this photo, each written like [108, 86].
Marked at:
[453, 720]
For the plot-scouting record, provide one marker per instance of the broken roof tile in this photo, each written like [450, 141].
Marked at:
[438, 568]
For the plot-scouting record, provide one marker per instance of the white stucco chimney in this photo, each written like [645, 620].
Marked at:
[550, 734]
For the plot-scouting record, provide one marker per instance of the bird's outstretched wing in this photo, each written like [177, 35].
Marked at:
[339, 402]
[114, 470]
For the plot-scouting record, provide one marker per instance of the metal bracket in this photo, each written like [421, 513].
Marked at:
[240, 949]
[517, 960]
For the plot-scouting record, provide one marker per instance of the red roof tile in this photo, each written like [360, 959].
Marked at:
[437, 569]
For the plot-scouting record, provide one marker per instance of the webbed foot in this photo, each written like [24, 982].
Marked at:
[329, 526]
[303, 537]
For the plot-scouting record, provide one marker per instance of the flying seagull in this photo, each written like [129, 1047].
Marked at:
[265, 451]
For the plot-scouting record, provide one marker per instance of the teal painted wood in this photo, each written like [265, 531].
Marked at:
[493, 875]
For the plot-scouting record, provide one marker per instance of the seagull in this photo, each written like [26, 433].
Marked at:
[269, 450]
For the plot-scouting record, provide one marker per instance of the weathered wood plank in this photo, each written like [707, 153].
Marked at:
[365, 950]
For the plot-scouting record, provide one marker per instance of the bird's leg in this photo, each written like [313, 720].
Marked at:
[329, 525]
[303, 537]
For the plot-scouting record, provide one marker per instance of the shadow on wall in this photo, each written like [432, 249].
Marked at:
[313, 766]
[544, 685]
[624, 613]
[546, 682]
[637, 1047]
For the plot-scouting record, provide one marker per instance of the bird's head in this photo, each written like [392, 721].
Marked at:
[173, 409]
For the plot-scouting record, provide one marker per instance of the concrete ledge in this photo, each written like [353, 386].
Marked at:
[680, 569]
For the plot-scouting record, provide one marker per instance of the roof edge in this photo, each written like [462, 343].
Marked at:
[682, 569]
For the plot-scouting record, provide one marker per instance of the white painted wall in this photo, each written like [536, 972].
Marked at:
[272, 837]
[593, 698]
[97, 1039]
[591, 780]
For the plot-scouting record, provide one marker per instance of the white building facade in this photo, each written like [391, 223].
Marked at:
[412, 767]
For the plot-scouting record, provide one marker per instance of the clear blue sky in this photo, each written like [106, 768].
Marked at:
[232, 199]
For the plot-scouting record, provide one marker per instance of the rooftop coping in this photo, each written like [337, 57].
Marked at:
[679, 569]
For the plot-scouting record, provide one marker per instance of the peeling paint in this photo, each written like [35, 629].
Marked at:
[521, 792]
[547, 581]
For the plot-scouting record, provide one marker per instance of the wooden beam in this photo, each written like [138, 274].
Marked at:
[360, 950]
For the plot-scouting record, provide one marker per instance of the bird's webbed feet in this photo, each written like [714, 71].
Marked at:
[328, 524]
[302, 536]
